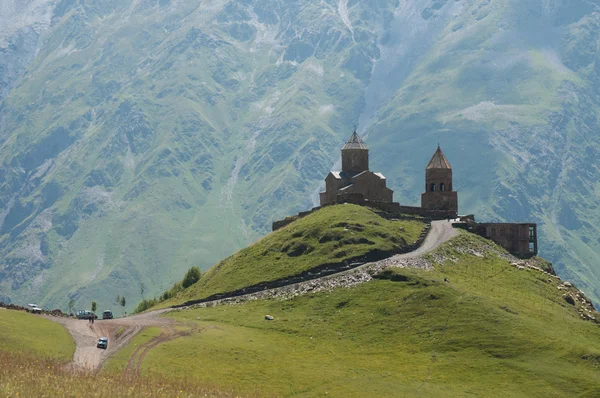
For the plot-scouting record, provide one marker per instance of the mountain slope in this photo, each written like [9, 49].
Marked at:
[140, 138]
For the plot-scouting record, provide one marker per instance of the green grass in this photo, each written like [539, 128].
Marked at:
[119, 360]
[492, 329]
[23, 333]
[330, 235]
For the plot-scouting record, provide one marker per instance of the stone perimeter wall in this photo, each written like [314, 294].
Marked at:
[317, 272]
[400, 212]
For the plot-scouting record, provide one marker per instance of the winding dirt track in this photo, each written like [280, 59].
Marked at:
[120, 331]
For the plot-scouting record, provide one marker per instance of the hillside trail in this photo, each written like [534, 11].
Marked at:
[122, 330]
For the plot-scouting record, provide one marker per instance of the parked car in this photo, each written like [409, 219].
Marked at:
[81, 314]
[34, 309]
[102, 343]
[107, 314]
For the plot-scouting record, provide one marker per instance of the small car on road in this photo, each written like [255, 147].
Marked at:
[34, 309]
[102, 343]
[86, 315]
[107, 314]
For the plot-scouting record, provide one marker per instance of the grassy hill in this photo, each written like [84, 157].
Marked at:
[23, 333]
[476, 324]
[330, 235]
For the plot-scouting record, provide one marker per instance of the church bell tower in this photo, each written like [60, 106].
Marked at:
[439, 193]
[355, 155]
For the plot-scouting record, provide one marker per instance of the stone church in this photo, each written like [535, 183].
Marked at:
[355, 177]
[356, 184]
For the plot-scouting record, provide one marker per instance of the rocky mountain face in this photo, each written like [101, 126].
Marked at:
[139, 138]
[22, 22]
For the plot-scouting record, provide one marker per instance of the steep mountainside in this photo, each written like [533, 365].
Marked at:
[141, 137]
[21, 24]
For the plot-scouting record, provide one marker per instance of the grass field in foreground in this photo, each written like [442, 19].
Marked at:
[25, 333]
[492, 330]
[28, 376]
[330, 235]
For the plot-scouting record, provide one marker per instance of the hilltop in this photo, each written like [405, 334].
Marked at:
[329, 238]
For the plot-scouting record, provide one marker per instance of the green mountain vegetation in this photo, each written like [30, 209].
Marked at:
[139, 138]
[474, 324]
[332, 235]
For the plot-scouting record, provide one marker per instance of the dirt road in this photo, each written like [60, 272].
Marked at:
[120, 331]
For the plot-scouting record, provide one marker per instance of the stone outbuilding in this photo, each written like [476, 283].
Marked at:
[439, 193]
[519, 239]
[355, 177]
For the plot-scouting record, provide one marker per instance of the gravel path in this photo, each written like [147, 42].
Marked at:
[120, 331]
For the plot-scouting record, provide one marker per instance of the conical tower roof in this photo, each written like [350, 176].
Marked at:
[355, 142]
[439, 161]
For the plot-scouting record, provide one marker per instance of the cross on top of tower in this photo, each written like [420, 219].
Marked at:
[439, 161]
[354, 142]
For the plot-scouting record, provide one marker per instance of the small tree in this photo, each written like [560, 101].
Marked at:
[71, 305]
[118, 300]
[191, 277]
[94, 306]
[123, 303]
[142, 290]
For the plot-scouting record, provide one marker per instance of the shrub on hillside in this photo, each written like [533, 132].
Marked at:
[146, 304]
[191, 277]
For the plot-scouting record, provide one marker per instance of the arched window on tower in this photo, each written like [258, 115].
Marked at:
[432, 187]
[442, 187]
